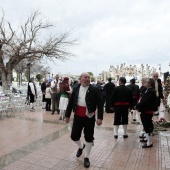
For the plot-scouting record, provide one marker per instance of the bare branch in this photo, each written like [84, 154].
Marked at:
[12, 33]
[26, 42]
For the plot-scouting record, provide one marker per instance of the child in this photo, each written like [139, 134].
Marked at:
[48, 94]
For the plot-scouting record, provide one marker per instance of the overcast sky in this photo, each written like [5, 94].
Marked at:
[109, 32]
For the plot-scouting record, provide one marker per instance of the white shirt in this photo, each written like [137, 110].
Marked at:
[82, 95]
[82, 101]
[156, 88]
[32, 88]
[53, 83]
[48, 93]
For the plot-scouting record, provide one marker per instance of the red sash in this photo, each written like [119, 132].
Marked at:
[121, 103]
[81, 111]
[149, 112]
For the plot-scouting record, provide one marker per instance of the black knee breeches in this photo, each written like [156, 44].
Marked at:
[147, 122]
[83, 122]
[121, 115]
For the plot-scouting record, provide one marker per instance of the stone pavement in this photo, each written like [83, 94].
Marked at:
[39, 141]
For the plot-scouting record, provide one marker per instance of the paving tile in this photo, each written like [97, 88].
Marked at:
[59, 154]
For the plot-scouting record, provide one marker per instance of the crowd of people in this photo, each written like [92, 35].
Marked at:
[83, 99]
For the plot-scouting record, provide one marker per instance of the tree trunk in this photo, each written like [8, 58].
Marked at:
[6, 79]
[21, 78]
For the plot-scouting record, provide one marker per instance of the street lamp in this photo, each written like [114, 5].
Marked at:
[29, 70]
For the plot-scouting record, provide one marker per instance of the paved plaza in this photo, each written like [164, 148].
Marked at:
[40, 141]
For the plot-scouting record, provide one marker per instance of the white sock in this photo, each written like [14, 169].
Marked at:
[134, 114]
[124, 129]
[149, 137]
[116, 127]
[61, 113]
[30, 105]
[88, 149]
[146, 136]
[79, 144]
[44, 104]
[142, 133]
[33, 105]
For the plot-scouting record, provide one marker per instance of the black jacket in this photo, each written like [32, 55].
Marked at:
[160, 90]
[43, 87]
[148, 101]
[122, 93]
[142, 90]
[109, 87]
[93, 101]
[135, 89]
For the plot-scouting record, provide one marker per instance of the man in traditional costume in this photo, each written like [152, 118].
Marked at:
[122, 101]
[84, 100]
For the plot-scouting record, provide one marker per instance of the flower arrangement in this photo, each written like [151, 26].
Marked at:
[162, 122]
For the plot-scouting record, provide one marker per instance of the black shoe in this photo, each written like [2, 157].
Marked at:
[142, 136]
[58, 111]
[134, 120]
[125, 136]
[115, 136]
[52, 113]
[80, 151]
[147, 146]
[143, 140]
[156, 114]
[86, 163]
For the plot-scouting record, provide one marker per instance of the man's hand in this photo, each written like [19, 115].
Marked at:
[67, 120]
[98, 122]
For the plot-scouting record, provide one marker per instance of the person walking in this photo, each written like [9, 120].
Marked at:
[84, 100]
[136, 95]
[147, 105]
[121, 101]
[55, 97]
[32, 93]
[108, 88]
[43, 88]
[48, 95]
[159, 89]
[64, 98]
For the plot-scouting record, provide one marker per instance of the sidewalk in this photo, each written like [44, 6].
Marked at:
[39, 141]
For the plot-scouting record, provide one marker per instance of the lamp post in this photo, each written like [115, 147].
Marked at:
[29, 70]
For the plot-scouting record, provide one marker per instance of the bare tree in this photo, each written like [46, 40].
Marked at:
[38, 69]
[20, 68]
[26, 43]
